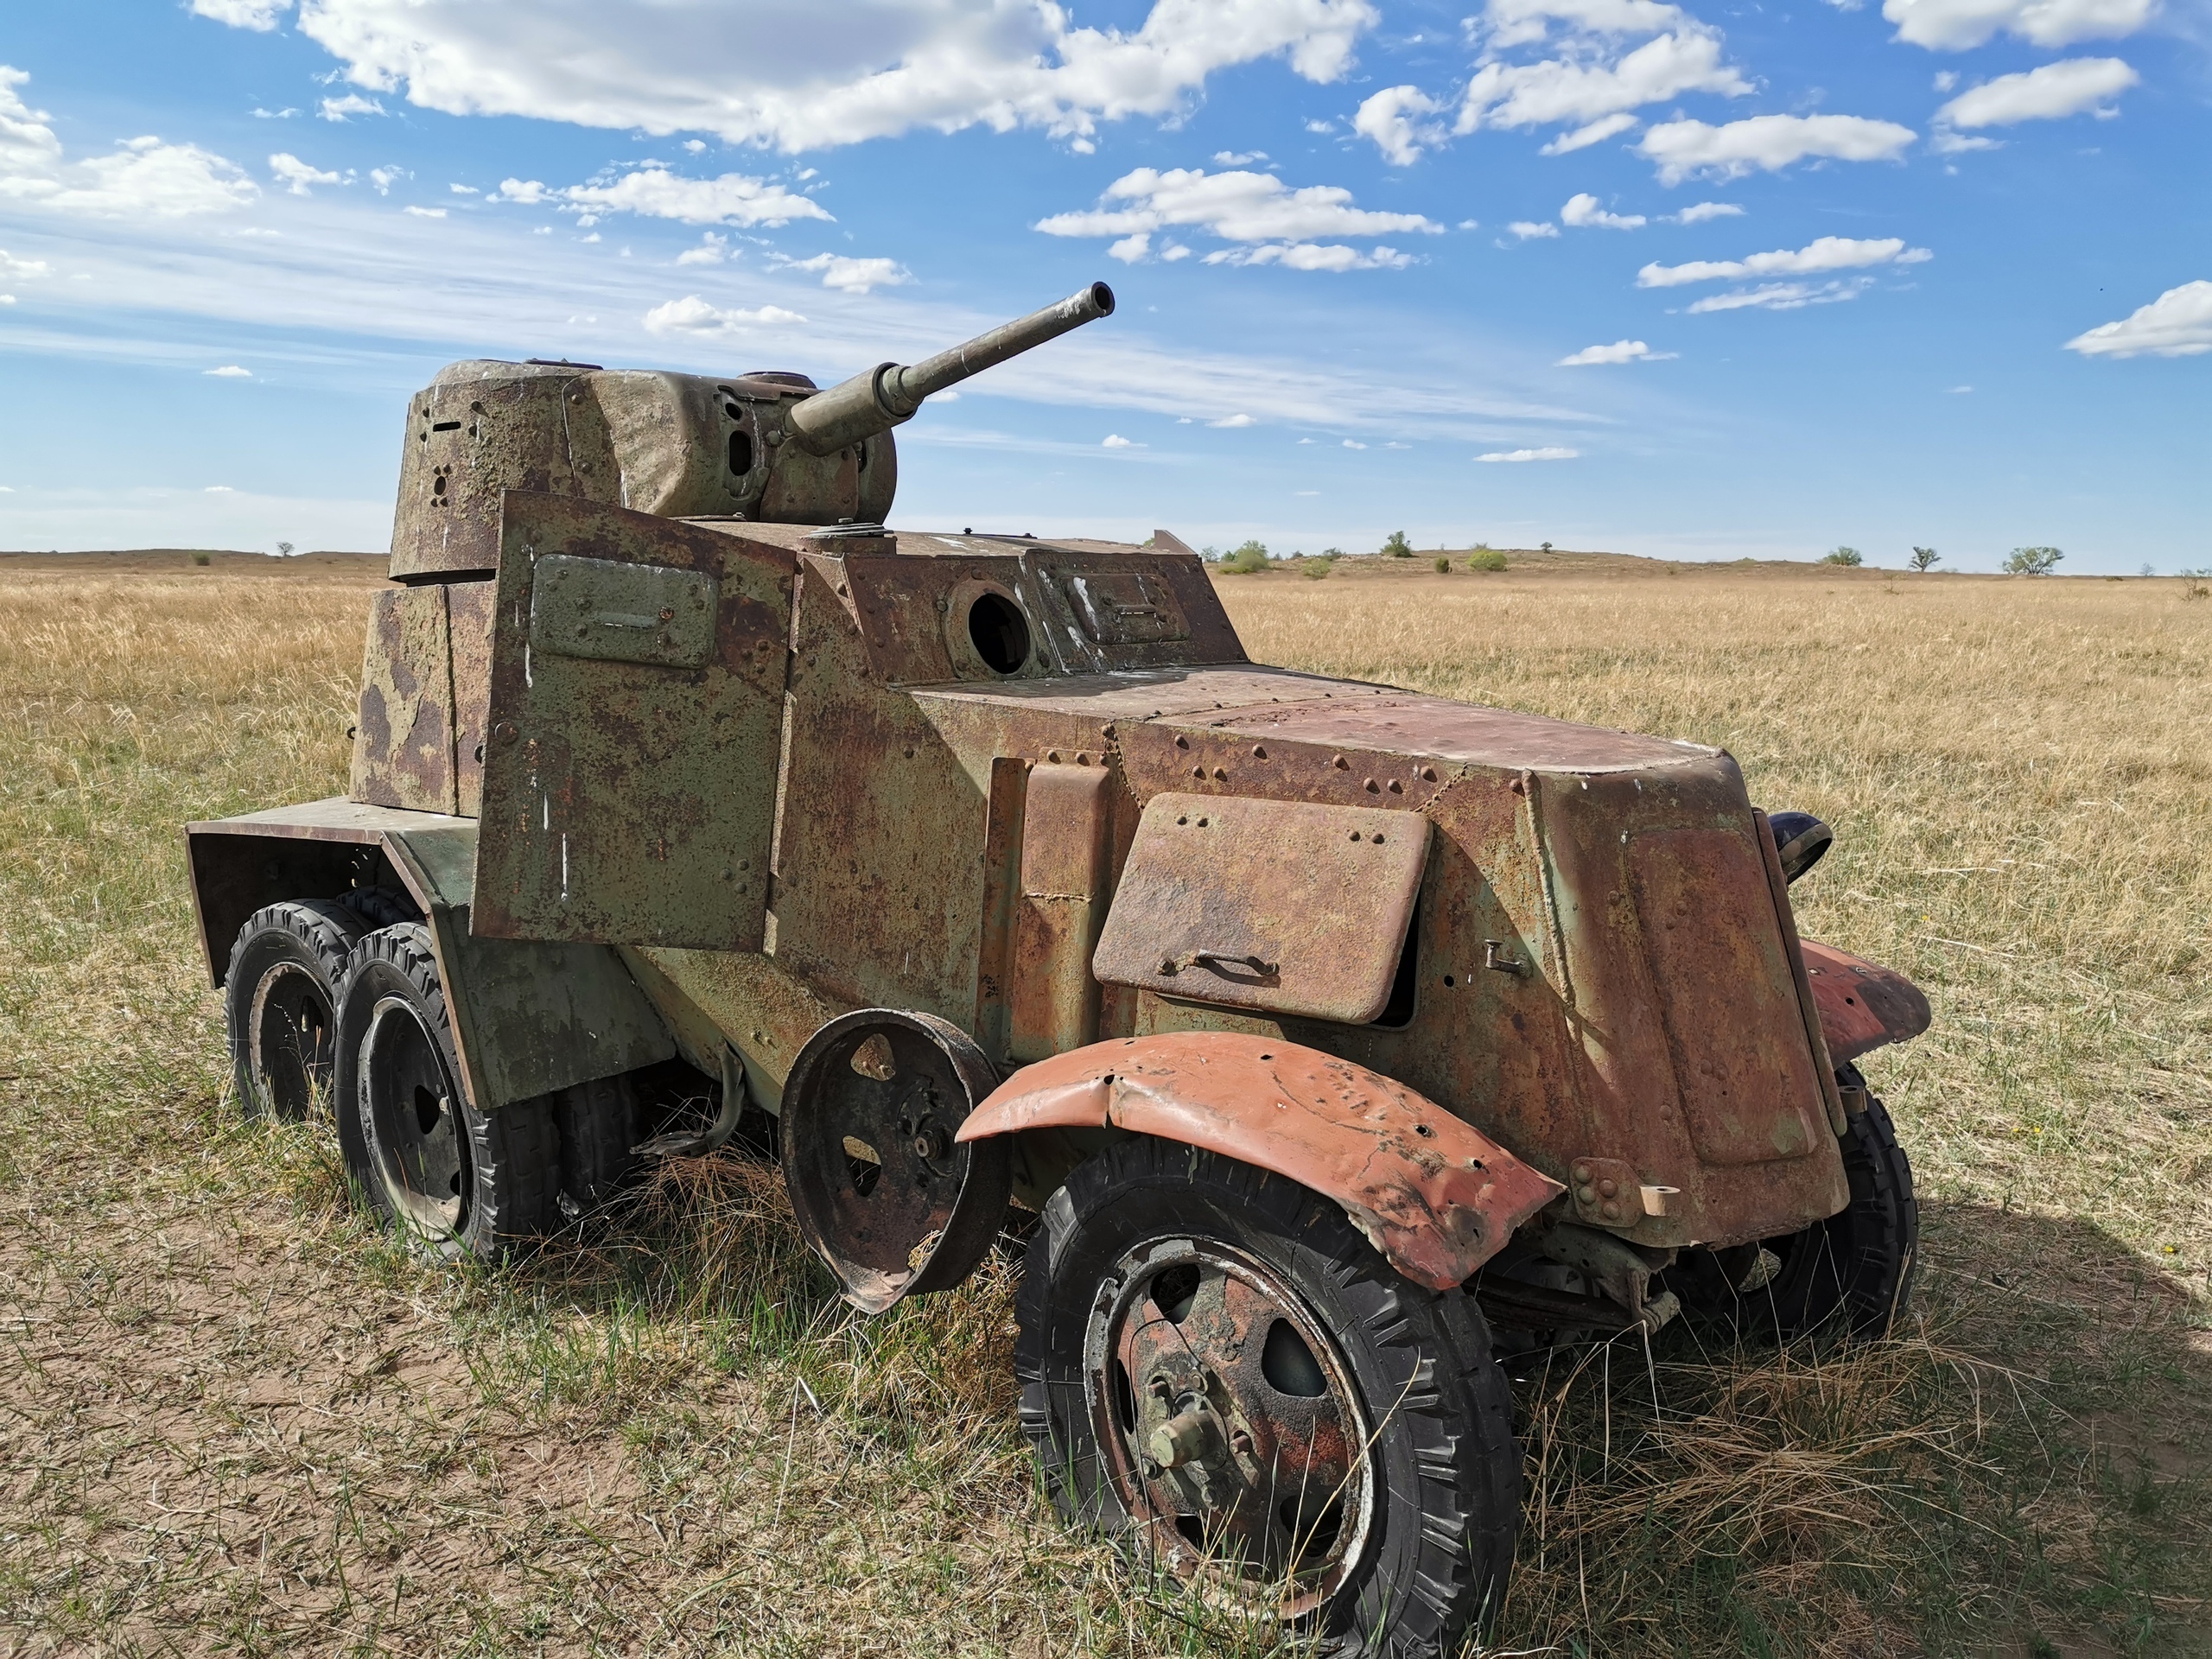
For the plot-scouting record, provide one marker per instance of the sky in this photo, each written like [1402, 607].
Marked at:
[1697, 281]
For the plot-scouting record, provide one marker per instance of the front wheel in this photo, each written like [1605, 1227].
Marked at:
[278, 1004]
[1217, 1369]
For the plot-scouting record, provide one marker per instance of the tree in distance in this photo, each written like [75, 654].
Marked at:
[2032, 560]
[1546, 546]
[1398, 547]
[1330, 553]
[1922, 557]
[1485, 558]
[1844, 556]
[284, 549]
[1443, 565]
[1315, 569]
[1246, 560]
[200, 558]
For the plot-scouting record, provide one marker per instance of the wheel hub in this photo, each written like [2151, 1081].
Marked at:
[414, 1130]
[289, 1036]
[1230, 1428]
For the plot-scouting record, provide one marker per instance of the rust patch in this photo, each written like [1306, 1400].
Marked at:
[403, 739]
[1436, 1196]
[1862, 1005]
[1052, 1000]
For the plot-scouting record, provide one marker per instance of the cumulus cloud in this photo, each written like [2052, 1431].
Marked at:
[1783, 296]
[1277, 223]
[2048, 94]
[1954, 25]
[1551, 454]
[850, 275]
[1584, 211]
[142, 178]
[1115, 440]
[1621, 351]
[260, 15]
[656, 192]
[773, 74]
[1234, 420]
[345, 109]
[2179, 323]
[1581, 90]
[1826, 253]
[1583, 137]
[1354, 443]
[1525, 228]
[713, 249]
[229, 372]
[1768, 143]
[297, 177]
[1400, 122]
[413, 211]
[1698, 212]
[15, 270]
[692, 316]
[385, 177]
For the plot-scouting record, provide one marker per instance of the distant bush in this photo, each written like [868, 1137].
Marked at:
[1485, 558]
[1333, 553]
[2032, 560]
[200, 558]
[1546, 546]
[1398, 547]
[1922, 557]
[1443, 565]
[1247, 560]
[1313, 570]
[1845, 556]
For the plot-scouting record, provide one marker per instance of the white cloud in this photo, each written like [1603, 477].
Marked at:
[1944, 143]
[1234, 420]
[1946, 79]
[1277, 223]
[1698, 212]
[1582, 89]
[464, 190]
[1239, 158]
[849, 276]
[7, 299]
[1583, 137]
[344, 109]
[2048, 94]
[274, 115]
[1354, 443]
[385, 177]
[260, 15]
[1584, 210]
[1320, 126]
[777, 75]
[693, 317]
[1826, 253]
[713, 249]
[1954, 25]
[1519, 22]
[656, 192]
[1770, 142]
[142, 178]
[1551, 454]
[218, 489]
[1400, 122]
[296, 176]
[1784, 296]
[1621, 351]
[229, 372]
[413, 211]
[2179, 323]
[17, 269]
[1525, 228]
[1115, 440]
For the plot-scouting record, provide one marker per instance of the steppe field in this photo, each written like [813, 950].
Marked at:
[235, 1420]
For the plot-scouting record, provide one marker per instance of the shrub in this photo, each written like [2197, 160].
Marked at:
[1247, 560]
[1922, 557]
[1333, 553]
[1443, 565]
[1845, 556]
[200, 558]
[1485, 558]
[2032, 560]
[1398, 547]
[1313, 570]
[1546, 546]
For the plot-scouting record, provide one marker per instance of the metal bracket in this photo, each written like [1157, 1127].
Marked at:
[697, 1143]
[1494, 956]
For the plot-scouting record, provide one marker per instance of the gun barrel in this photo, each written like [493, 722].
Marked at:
[880, 399]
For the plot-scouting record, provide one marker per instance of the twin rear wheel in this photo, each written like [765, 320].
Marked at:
[338, 1007]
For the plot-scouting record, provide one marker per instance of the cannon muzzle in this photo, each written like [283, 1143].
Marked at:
[881, 398]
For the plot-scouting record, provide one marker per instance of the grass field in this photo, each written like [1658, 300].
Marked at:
[235, 1420]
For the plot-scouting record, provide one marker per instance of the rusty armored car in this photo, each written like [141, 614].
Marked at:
[1335, 1042]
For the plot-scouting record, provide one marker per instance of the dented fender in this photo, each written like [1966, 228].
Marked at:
[1862, 1005]
[1434, 1194]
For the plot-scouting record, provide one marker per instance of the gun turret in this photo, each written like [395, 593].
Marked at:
[888, 394]
[763, 445]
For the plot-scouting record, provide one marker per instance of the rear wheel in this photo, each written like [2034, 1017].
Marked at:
[1217, 1368]
[279, 1004]
[456, 1180]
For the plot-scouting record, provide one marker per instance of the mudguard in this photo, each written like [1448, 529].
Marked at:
[1862, 1005]
[1435, 1195]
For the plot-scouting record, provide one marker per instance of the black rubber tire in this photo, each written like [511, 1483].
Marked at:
[1852, 1273]
[598, 1125]
[288, 962]
[506, 1180]
[1449, 1468]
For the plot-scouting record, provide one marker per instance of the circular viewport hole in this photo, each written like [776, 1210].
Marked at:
[999, 631]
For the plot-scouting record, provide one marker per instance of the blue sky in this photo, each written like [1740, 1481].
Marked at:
[1698, 281]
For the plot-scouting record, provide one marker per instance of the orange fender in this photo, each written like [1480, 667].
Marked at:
[1434, 1194]
[1862, 1005]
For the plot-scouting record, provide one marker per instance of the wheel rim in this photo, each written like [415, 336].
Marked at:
[416, 1144]
[289, 1039]
[1229, 1427]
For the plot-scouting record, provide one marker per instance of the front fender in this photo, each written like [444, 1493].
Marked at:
[1435, 1195]
[1862, 1005]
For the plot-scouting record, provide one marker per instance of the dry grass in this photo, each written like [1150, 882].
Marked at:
[234, 1420]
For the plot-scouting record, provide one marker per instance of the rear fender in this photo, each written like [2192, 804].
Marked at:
[1435, 1195]
[1862, 1005]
